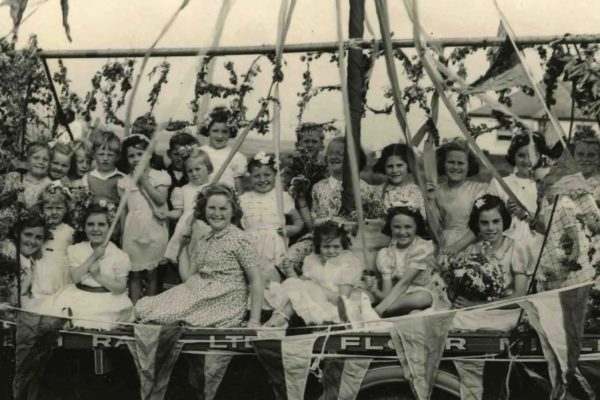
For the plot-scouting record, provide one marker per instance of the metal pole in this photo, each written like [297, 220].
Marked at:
[307, 47]
[61, 114]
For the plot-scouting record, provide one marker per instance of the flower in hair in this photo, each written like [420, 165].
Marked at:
[54, 189]
[262, 157]
[140, 136]
[479, 203]
[187, 150]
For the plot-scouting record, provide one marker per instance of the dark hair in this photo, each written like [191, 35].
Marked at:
[138, 141]
[461, 145]
[522, 139]
[31, 219]
[94, 208]
[254, 163]
[144, 125]
[414, 213]
[396, 149]
[490, 202]
[310, 127]
[181, 139]
[220, 115]
[328, 231]
[215, 189]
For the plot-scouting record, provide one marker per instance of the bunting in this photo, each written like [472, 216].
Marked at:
[287, 363]
[155, 351]
[36, 339]
[206, 373]
[419, 343]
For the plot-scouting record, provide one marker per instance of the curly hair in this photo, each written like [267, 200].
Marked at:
[202, 155]
[51, 192]
[30, 219]
[138, 141]
[456, 145]
[144, 124]
[396, 149]
[255, 163]
[220, 115]
[312, 128]
[79, 234]
[218, 189]
[182, 138]
[412, 212]
[489, 202]
[522, 139]
[328, 231]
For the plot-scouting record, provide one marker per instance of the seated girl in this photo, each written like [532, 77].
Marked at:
[330, 272]
[408, 280]
[99, 275]
[217, 270]
[514, 262]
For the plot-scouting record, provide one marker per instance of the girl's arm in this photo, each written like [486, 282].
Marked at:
[297, 224]
[186, 268]
[391, 294]
[117, 285]
[174, 214]
[304, 211]
[257, 287]
[79, 272]
[157, 194]
[239, 186]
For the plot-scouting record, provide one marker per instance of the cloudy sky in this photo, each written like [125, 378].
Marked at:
[121, 24]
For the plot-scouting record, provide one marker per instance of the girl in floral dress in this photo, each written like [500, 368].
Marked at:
[329, 273]
[197, 167]
[218, 269]
[408, 280]
[327, 193]
[261, 219]
[97, 298]
[145, 232]
[454, 198]
[399, 188]
[565, 259]
[35, 179]
[489, 220]
[52, 270]
[219, 130]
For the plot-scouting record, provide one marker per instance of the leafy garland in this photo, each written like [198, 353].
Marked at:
[163, 70]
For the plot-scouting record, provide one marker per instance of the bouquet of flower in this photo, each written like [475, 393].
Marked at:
[81, 199]
[303, 171]
[475, 277]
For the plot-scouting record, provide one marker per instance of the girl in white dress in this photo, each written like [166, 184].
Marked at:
[51, 273]
[197, 167]
[220, 129]
[145, 232]
[329, 273]
[261, 219]
[99, 275]
[408, 280]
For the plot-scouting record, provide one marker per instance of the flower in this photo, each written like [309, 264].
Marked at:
[479, 203]
[262, 157]
[187, 150]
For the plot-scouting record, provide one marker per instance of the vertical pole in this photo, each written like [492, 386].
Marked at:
[61, 114]
[355, 96]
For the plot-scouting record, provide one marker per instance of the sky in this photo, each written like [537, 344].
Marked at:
[117, 24]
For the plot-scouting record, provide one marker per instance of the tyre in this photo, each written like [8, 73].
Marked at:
[387, 382]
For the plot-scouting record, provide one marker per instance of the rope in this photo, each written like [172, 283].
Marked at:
[317, 361]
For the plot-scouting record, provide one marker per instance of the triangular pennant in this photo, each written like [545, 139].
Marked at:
[155, 351]
[558, 319]
[206, 373]
[287, 363]
[342, 378]
[419, 343]
[36, 338]
[471, 379]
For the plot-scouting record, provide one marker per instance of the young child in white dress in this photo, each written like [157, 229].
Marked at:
[51, 273]
[408, 279]
[219, 130]
[197, 167]
[97, 299]
[261, 219]
[145, 232]
[329, 273]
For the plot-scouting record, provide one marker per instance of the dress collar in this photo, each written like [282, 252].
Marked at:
[96, 174]
[216, 234]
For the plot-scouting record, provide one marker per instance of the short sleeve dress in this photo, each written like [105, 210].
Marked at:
[182, 198]
[145, 237]
[392, 263]
[216, 296]
[307, 297]
[454, 205]
[261, 221]
[327, 197]
[97, 309]
[235, 169]
[51, 272]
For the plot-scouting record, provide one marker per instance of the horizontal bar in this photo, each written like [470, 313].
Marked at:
[308, 47]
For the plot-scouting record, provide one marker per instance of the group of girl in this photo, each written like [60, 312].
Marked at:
[231, 251]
